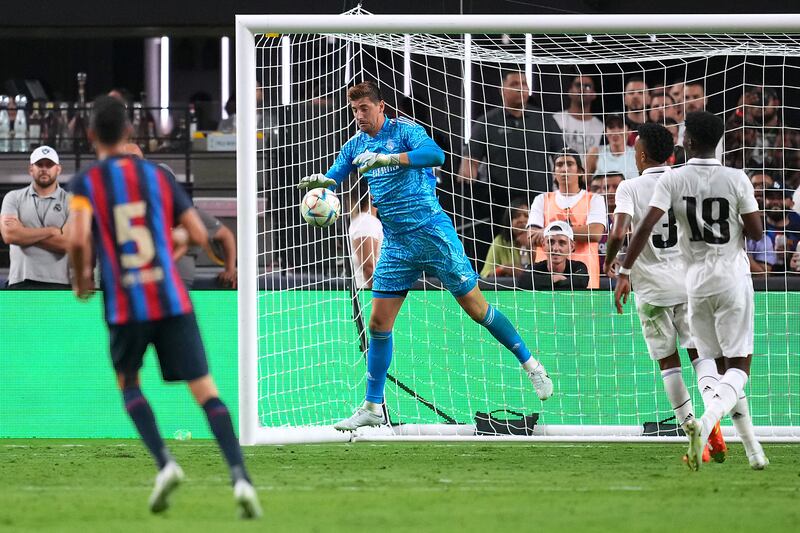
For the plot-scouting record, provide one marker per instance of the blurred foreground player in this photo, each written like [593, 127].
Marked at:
[715, 209]
[128, 207]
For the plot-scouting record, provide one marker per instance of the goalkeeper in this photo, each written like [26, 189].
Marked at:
[396, 156]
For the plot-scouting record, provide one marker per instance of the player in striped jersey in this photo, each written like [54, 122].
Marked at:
[658, 276]
[715, 209]
[124, 208]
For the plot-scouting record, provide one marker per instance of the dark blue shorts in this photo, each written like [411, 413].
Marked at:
[177, 341]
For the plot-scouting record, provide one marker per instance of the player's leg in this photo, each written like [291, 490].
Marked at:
[444, 257]
[501, 328]
[182, 357]
[394, 274]
[385, 307]
[716, 447]
[128, 344]
[701, 313]
[206, 394]
[734, 327]
[661, 329]
[740, 415]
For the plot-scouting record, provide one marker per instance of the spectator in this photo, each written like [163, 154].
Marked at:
[221, 248]
[583, 211]
[676, 91]
[615, 155]
[636, 98]
[366, 238]
[228, 125]
[582, 130]
[596, 185]
[510, 244]
[782, 224]
[608, 185]
[558, 270]
[662, 107]
[761, 182]
[32, 222]
[516, 143]
[780, 143]
[761, 255]
[679, 153]
[794, 266]
[694, 96]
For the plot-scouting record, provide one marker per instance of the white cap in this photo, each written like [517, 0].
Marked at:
[559, 228]
[44, 152]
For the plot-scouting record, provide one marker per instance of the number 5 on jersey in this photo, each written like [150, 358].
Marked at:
[139, 234]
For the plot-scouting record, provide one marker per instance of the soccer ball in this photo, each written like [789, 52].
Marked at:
[320, 207]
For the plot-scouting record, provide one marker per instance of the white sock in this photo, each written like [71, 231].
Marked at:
[375, 408]
[678, 395]
[531, 364]
[744, 425]
[726, 395]
[707, 378]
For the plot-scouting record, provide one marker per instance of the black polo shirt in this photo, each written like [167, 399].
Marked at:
[517, 150]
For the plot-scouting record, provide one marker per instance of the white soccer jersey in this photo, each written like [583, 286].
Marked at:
[658, 275]
[708, 200]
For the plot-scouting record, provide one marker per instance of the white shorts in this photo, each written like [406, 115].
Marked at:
[664, 327]
[722, 324]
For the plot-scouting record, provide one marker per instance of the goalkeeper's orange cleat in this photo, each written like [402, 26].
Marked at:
[716, 445]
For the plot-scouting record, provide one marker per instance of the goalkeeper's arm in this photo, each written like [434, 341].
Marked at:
[338, 172]
[426, 155]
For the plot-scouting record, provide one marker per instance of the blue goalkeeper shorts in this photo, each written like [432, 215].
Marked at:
[434, 249]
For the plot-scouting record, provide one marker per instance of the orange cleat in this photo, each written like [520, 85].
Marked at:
[716, 445]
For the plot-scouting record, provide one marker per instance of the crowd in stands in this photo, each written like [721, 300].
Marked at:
[756, 141]
[550, 181]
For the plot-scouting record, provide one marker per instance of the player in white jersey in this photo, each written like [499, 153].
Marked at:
[714, 209]
[658, 276]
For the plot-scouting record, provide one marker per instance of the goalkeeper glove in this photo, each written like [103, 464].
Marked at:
[369, 160]
[315, 181]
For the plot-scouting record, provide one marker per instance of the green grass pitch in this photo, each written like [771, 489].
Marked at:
[103, 485]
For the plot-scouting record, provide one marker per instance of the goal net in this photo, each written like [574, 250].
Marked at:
[303, 313]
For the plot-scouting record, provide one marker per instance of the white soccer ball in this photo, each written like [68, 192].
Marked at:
[320, 207]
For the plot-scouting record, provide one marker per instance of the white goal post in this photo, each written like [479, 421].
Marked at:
[727, 35]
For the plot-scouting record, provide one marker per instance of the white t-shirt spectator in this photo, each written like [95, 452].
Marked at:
[364, 225]
[580, 135]
[597, 208]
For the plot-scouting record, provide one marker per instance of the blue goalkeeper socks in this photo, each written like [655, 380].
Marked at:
[379, 355]
[145, 422]
[501, 329]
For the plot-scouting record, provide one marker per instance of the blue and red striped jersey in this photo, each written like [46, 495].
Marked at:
[135, 204]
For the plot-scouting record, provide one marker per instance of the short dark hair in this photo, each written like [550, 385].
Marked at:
[611, 174]
[705, 129]
[658, 144]
[109, 119]
[365, 89]
[634, 78]
[614, 122]
[569, 152]
[516, 204]
[696, 82]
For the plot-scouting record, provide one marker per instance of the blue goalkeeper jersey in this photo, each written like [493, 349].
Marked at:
[404, 196]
